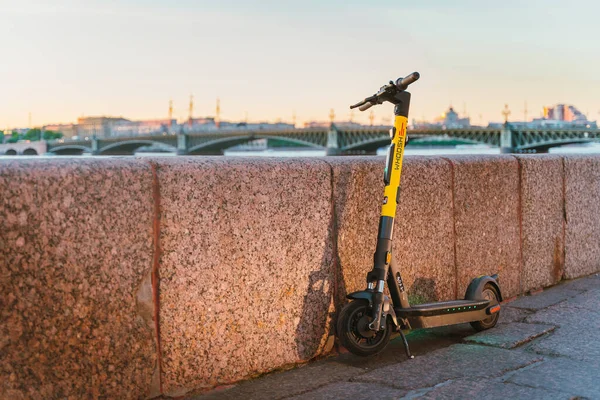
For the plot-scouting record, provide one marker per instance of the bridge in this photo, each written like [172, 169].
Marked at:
[24, 148]
[335, 140]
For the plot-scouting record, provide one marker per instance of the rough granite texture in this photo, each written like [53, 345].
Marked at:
[298, 380]
[544, 299]
[75, 244]
[486, 206]
[509, 336]
[352, 390]
[423, 229]
[542, 211]
[489, 389]
[574, 378]
[246, 271]
[460, 361]
[582, 209]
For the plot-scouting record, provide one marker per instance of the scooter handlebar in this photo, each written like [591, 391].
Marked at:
[365, 106]
[403, 83]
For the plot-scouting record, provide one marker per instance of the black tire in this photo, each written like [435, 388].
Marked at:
[352, 332]
[491, 293]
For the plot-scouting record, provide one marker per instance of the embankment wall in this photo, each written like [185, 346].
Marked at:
[131, 278]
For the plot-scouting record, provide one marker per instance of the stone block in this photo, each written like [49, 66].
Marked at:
[575, 378]
[285, 384]
[464, 361]
[583, 284]
[352, 390]
[542, 216]
[423, 230]
[509, 314]
[246, 271]
[544, 299]
[490, 389]
[509, 336]
[75, 247]
[486, 213]
[582, 211]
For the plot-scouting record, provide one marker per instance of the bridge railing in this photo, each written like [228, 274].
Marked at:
[344, 138]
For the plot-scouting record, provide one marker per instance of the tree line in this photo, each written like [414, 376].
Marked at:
[33, 135]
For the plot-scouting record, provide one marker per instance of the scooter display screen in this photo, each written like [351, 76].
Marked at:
[388, 164]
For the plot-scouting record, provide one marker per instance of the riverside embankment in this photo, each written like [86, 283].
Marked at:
[128, 278]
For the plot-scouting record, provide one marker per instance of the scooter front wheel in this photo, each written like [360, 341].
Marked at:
[354, 333]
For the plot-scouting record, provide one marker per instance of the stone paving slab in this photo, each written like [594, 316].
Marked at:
[352, 390]
[587, 283]
[489, 389]
[289, 383]
[572, 342]
[545, 299]
[562, 375]
[564, 315]
[457, 361]
[589, 300]
[509, 336]
[510, 314]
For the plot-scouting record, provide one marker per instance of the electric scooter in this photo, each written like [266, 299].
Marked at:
[365, 324]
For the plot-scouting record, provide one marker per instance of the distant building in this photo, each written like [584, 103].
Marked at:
[226, 125]
[317, 124]
[68, 130]
[448, 120]
[197, 125]
[339, 124]
[558, 116]
[566, 113]
[97, 126]
[146, 127]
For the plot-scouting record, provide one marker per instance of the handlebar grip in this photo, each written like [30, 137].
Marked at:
[407, 80]
[365, 106]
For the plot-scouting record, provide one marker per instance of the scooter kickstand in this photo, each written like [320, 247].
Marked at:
[410, 356]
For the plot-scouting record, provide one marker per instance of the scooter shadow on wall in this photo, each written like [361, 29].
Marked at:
[325, 293]
[316, 314]
[327, 288]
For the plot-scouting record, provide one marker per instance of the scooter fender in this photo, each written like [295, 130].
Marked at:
[477, 284]
[387, 304]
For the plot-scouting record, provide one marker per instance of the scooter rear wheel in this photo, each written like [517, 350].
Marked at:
[354, 333]
[490, 293]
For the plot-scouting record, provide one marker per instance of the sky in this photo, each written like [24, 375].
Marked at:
[270, 60]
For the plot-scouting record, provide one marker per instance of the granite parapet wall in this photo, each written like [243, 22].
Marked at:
[75, 245]
[542, 220]
[423, 229]
[246, 271]
[128, 278]
[486, 221]
[582, 215]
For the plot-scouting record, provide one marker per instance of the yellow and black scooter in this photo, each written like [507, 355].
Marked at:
[365, 324]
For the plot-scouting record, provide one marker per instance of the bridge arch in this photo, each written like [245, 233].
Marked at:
[217, 146]
[69, 150]
[30, 152]
[129, 147]
[543, 147]
[10, 152]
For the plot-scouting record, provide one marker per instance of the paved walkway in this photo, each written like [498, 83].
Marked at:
[546, 346]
